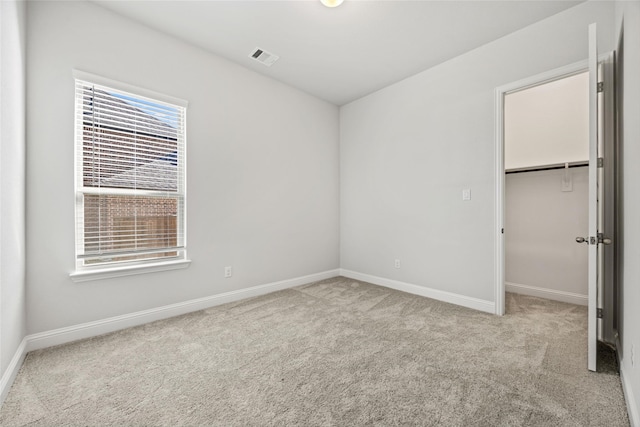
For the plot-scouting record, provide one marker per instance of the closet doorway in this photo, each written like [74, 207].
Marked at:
[546, 159]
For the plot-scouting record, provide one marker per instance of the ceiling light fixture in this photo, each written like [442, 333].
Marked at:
[331, 3]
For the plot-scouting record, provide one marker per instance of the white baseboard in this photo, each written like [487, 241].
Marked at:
[465, 301]
[632, 409]
[551, 294]
[99, 327]
[12, 370]
[627, 390]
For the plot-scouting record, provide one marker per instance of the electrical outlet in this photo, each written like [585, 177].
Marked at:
[228, 271]
[466, 194]
[567, 182]
[397, 264]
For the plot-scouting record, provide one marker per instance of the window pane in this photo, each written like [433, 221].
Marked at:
[117, 224]
[128, 143]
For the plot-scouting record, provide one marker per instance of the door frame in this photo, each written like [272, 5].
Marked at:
[500, 93]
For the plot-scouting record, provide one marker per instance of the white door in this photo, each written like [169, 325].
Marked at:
[592, 238]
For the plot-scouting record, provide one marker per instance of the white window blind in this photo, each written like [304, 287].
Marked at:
[130, 177]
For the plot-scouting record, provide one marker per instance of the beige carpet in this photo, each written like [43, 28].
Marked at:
[336, 353]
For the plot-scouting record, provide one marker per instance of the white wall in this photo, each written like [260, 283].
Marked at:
[541, 223]
[408, 150]
[12, 181]
[629, 329]
[262, 168]
[547, 124]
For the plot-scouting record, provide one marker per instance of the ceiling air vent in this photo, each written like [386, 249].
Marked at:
[264, 57]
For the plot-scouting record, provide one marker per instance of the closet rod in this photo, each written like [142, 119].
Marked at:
[548, 167]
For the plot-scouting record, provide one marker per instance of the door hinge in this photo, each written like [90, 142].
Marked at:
[502, 230]
[600, 162]
[599, 313]
[600, 87]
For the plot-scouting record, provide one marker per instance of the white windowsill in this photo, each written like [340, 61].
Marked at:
[129, 270]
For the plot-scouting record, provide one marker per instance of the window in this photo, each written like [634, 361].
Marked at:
[130, 177]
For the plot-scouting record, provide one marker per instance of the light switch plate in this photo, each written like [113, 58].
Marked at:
[466, 194]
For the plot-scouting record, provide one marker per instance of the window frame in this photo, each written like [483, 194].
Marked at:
[110, 269]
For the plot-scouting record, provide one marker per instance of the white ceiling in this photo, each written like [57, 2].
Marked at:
[343, 53]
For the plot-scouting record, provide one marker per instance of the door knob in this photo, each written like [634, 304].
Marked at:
[604, 240]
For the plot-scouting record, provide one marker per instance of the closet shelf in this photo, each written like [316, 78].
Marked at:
[548, 167]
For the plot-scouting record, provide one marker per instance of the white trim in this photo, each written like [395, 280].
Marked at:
[462, 300]
[499, 272]
[127, 270]
[9, 375]
[99, 327]
[103, 81]
[627, 390]
[632, 409]
[552, 294]
[546, 77]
